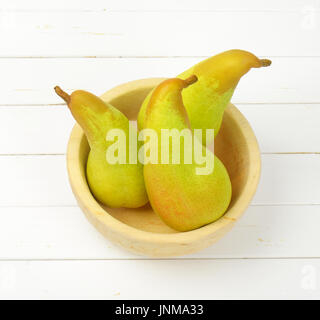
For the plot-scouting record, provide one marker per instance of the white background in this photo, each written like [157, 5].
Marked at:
[49, 250]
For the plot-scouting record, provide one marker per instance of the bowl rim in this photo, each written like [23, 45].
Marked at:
[90, 204]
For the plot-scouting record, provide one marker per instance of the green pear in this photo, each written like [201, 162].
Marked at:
[184, 198]
[113, 184]
[218, 77]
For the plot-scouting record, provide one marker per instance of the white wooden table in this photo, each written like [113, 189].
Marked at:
[49, 250]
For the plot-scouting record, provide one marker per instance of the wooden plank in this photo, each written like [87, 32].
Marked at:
[285, 127]
[156, 33]
[285, 179]
[46, 129]
[64, 233]
[162, 279]
[165, 5]
[42, 180]
[31, 81]
[35, 129]
[34, 181]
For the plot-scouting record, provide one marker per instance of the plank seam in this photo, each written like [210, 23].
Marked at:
[76, 206]
[63, 154]
[157, 259]
[140, 57]
[106, 11]
[236, 103]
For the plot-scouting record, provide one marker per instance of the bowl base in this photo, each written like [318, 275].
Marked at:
[143, 218]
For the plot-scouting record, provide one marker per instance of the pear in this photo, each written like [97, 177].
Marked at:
[218, 77]
[113, 184]
[182, 197]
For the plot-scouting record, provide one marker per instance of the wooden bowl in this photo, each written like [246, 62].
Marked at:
[141, 230]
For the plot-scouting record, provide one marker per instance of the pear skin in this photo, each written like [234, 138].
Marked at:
[183, 199]
[115, 185]
[218, 76]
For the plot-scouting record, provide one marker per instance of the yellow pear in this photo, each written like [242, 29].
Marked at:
[113, 184]
[218, 77]
[181, 193]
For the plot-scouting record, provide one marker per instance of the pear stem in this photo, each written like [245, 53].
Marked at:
[265, 62]
[62, 94]
[192, 79]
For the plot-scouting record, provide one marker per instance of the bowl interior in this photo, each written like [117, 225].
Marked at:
[231, 146]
